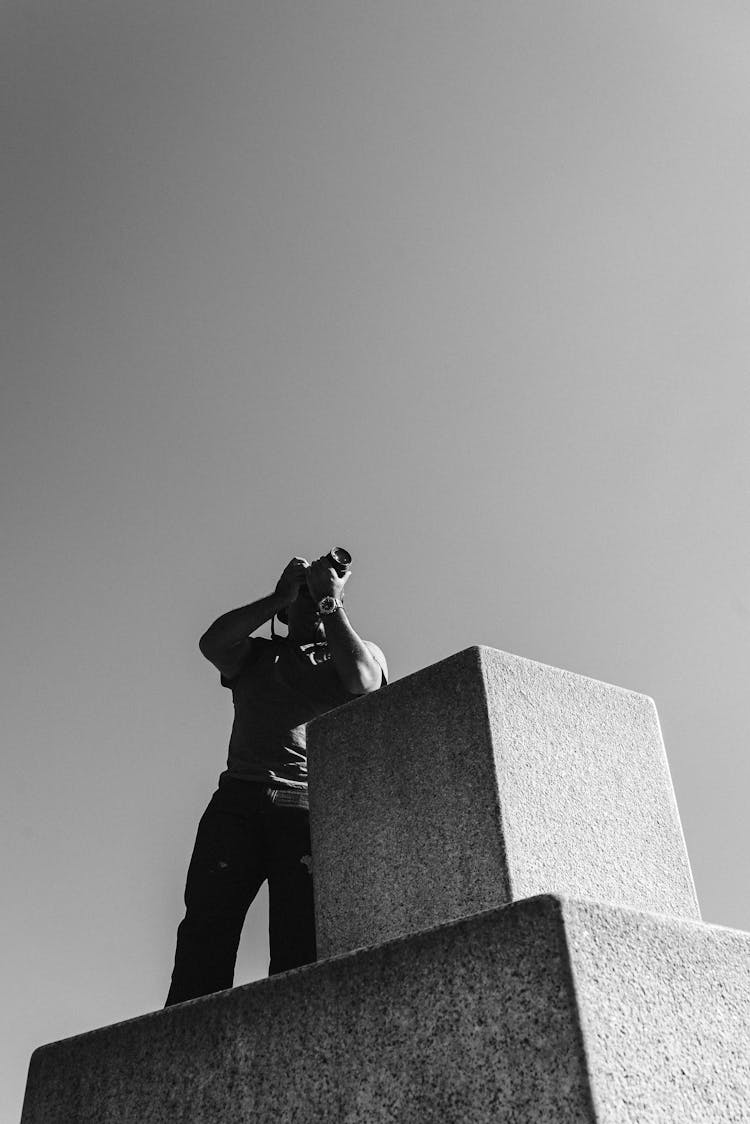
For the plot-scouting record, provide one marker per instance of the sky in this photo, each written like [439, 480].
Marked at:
[463, 287]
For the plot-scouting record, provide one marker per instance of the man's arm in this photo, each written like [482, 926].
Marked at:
[355, 660]
[227, 641]
[359, 669]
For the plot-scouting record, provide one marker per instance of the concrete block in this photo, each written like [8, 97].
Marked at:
[548, 1010]
[481, 780]
[664, 1011]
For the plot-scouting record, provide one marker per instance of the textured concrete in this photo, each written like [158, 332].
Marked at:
[549, 1011]
[469, 1023]
[485, 779]
[664, 1010]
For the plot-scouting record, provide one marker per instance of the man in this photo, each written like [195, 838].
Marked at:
[256, 825]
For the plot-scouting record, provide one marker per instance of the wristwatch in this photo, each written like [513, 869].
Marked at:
[328, 605]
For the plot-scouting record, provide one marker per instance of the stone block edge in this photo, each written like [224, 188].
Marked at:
[477, 653]
[544, 904]
[482, 648]
[564, 905]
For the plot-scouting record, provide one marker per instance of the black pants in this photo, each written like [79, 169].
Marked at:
[243, 838]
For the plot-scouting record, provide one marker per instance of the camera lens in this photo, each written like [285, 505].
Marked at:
[340, 558]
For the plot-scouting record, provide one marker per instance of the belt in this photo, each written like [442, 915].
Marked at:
[288, 797]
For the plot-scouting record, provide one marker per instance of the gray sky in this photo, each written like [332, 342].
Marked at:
[461, 286]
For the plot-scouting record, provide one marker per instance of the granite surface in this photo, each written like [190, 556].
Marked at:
[481, 780]
[665, 1012]
[469, 1023]
[548, 1011]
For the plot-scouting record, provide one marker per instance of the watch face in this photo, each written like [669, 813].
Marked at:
[328, 604]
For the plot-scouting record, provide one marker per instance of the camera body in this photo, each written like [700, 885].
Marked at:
[340, 559]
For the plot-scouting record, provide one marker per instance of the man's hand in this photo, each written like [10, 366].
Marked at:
[292, 577]
[324, 581]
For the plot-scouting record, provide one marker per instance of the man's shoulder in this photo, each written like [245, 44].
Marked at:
[380, 657]
[257, 648]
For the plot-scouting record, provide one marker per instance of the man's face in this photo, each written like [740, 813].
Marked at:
[304, 620]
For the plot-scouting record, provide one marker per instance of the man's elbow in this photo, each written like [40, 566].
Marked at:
[207, 645]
